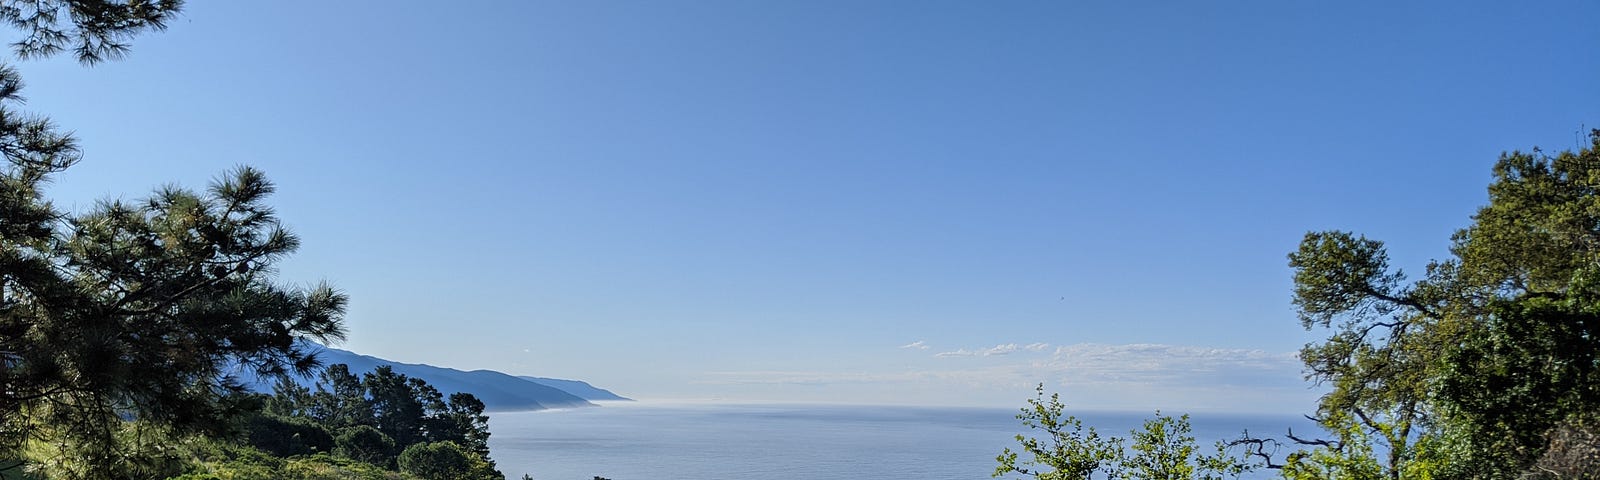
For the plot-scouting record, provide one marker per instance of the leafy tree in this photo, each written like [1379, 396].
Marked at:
[288, 436]
[1351, 457]
[459, 420]
[1162, 449]
[438, 460]
[1069, 452]
[340, 400]
[407, 411]
[467, 423]
[446, 461]
[289, 399]
[1467, 372]
[396, 410]
[365, 444]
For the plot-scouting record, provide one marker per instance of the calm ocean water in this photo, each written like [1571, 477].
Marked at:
[808, 442]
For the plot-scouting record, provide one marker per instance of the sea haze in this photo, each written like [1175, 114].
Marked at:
[644, 441]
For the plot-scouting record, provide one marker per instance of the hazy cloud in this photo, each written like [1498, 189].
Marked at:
[1091, 375]
[919, 345]
[1002, 349]
[1145, 363]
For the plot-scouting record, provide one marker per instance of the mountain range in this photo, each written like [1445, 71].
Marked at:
[498, 391]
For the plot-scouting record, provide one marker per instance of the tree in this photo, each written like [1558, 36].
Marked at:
[1162, 449]
[340, 400]
[138, 309]
[141, 310]
[95, 30]
[408, 411]
[467, 423]
[1349, 458]
[1069, 453]
[1378, 360]
[287, 436]
[363, 443]
[446, 461]
[1469, 371]
[397, 411]
[133, 310]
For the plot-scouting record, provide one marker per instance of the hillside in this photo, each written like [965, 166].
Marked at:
[580, 388]
[498, 391]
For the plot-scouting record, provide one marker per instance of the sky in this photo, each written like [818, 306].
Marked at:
[894, 202]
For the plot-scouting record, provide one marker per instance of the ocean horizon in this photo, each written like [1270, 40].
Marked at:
[713, 441]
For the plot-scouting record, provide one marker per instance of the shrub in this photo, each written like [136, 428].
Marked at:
[364, 444]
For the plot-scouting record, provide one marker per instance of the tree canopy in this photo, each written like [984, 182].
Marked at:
[93, 30]
[133, 310]
[1162, 449]
[138, 309]
[1472, 370]
[1488, 366]
[383, 417]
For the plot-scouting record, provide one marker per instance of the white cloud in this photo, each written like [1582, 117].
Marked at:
[1002, 349]
[919, 345]
[1155, 364]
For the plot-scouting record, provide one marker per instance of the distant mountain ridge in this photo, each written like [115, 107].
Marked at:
[498, 391]
[576, 387]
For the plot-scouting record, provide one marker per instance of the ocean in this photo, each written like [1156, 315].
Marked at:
[642, 441]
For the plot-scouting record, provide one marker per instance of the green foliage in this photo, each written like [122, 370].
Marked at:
[1162, 449]
[446, 461]
[462, 421]
[377, 415]
[1349, 457]
[1468, 372]
[438, 460]
[147, 307]
[120, 327]
[363, 443]
[288, 436]
[95, 30]
[314, 467]
[407, 410]
[396, 404]
[132, 450]
[1068, 452]
[132, 310]
[340, 400]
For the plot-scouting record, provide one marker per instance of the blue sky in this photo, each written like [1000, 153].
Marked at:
[885, 202]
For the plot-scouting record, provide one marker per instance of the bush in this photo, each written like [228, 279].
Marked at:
[446, 461]
[286, 436]
[363, 443]
[440, 460]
